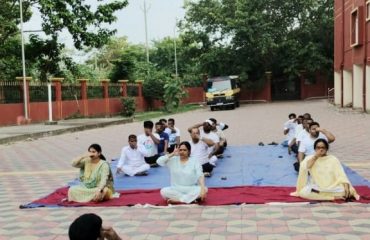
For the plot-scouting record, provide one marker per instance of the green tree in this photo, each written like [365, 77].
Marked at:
[10, 59]
[105, 57]
[10, 18]
[153, 86]
[163, 58]
[173, 94]
[86, 26]
[249, 37]
[129, 64]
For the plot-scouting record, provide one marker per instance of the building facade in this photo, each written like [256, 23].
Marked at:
[352, 54]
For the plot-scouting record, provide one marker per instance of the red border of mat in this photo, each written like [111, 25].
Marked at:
[216, 196]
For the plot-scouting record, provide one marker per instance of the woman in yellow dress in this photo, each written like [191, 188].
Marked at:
[95, 176]
[321, 177]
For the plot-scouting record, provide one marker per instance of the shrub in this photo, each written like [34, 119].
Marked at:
[128, 106]
[173, 94]
[153, 86]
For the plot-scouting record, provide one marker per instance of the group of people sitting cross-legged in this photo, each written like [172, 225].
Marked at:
[188, 162]
[320, 175]
[302, 132]
[144, 150]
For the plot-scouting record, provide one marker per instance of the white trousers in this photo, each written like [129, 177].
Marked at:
[131, 171]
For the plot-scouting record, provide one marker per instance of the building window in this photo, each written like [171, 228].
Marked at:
[367, 10]
[356, 27]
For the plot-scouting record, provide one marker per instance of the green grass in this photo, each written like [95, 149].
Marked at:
[161, 113]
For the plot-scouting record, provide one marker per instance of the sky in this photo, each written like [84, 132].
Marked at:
[161, 17]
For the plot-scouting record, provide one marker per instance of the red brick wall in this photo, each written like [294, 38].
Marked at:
[252, 95]
[343, 52]
[39, 111]
[319, 89]
[10, 112]
[338, 33]
[115, 106]
[70, 108]
[195, 95]
[96, 107]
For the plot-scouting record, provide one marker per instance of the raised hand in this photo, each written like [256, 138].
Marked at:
[175, 151]
[109, 233]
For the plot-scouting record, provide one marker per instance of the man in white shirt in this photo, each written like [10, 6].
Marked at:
[315, 132]
[292, 145]
[305, 132]
[150, 142]
[132, 162]
[200, 151]
[173, 134]
[206, 133]
[218, 129]
[289, 128]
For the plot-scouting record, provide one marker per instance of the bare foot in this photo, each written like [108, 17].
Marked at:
[339, 198]
[172, 201]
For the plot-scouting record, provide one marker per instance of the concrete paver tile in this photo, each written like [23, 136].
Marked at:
[32, 169]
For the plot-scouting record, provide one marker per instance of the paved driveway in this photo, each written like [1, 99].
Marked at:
[31, 169]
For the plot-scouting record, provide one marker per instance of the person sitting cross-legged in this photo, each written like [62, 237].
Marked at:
[289, 128]
[95, 175]
[293, 143]
[307, 142]
[163, 138]
[187, 180]
[218, 129]
[150, 141]
[210, 138]
[132, 162]
[174, 135]
[321, 177]
[200, 151]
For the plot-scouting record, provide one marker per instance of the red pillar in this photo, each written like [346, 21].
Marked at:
[83, 83]
[139, 88]
[123, 87]
[105, 84]
[57, 82]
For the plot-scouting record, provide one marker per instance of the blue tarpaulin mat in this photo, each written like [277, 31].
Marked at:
[249, 165]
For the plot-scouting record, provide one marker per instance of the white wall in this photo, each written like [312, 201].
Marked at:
[337, 88]
[357, 86]
[347, 88]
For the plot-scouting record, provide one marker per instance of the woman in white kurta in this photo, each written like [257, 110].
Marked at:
[187, 180]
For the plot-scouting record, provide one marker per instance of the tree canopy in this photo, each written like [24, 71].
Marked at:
[217, 37]
[249, 37]
[87, 26]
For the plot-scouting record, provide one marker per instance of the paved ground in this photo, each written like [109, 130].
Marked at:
[32, 169]
[9, 134]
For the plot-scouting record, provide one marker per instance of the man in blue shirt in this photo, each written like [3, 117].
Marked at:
[163, 141]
